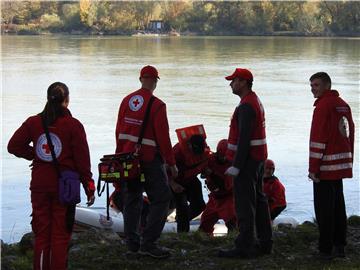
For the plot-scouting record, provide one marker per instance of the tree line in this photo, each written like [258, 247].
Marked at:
[325, 18]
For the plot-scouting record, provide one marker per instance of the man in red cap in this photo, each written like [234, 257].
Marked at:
[154, 150]
[247, 152]
[274, 190]
[330, 160]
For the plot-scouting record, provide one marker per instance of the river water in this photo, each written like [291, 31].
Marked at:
[100, 71]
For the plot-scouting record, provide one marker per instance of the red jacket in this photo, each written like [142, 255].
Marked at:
[156, 136]
[218, 183]
[275, 192]
[331, 138]
[186, 174]
[70, 145]
[258, 148]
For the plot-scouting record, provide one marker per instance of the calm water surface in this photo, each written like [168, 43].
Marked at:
[101, 71]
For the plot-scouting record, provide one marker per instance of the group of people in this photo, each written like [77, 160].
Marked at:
[237, 174]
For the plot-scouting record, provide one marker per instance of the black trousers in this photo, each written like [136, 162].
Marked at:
[330, 214]
[189, 204]
[159, 194]
[252, 208]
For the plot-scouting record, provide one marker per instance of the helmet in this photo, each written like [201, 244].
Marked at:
[269, 164]
[221, 147]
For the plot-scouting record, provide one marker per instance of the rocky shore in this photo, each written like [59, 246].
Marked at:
[294, 248]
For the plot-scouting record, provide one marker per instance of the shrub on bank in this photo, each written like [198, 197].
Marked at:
[28, 29]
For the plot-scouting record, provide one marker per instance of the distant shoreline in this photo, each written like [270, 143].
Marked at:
[83, 34]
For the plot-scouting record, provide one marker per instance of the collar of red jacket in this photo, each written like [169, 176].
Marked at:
[327, 93]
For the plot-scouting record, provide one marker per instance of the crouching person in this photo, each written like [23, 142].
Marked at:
[274, 190]
[221, 199]
[187, 188]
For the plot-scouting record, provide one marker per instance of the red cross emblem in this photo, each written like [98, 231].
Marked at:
[136, 102]
[46, 147]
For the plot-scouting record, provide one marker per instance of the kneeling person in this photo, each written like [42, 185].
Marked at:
[221, 199]
[274, 190]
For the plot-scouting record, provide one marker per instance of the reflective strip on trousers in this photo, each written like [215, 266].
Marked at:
[337, 156]
[258, 142]
[336, 167]
[135, 139]
[232, 147]
[316, 155]
[317, 145]
[41, 259]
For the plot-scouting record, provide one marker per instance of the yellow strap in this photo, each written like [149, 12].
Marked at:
[110, 175]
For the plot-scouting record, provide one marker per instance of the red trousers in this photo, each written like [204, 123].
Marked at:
[222, 208]
[52, 232]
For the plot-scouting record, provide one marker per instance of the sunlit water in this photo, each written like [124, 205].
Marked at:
[101, 71]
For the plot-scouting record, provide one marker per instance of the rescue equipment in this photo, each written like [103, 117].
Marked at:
[191, 150]
[122, 166]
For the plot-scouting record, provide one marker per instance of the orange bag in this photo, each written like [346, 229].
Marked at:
[184, 135]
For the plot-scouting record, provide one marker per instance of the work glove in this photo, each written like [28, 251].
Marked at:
[232, 171]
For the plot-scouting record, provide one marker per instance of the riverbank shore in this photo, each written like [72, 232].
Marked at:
[35, 30]
[294, 248]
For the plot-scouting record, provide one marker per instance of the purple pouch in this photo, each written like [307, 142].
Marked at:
[69, 187]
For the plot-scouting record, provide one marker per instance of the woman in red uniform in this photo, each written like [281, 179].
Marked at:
[52, 222]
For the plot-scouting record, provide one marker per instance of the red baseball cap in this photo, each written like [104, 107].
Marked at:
[149, 72]
[242, 73]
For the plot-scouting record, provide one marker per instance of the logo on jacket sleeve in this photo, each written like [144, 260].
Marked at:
[43, 149]
[136, 102]
[344, 127]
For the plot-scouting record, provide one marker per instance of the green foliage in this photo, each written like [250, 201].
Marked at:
[200, 17]
[51, 22]
[29, 29]
[71, 17]
[354, 221]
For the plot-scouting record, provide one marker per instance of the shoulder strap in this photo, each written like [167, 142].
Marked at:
[144, 123]
[51, 146]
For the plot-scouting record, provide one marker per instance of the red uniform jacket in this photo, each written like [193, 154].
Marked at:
[70, 145]
[331, 138]
[258, 148]
[217, 182]
[275, 192]
[156, 136]
[186, 173]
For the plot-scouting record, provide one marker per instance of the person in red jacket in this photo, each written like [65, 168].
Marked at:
[187, 188]
[330, 160]
[154, 150]
[52, 222]
[274, 190]
[221, 199]
[247, 151]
